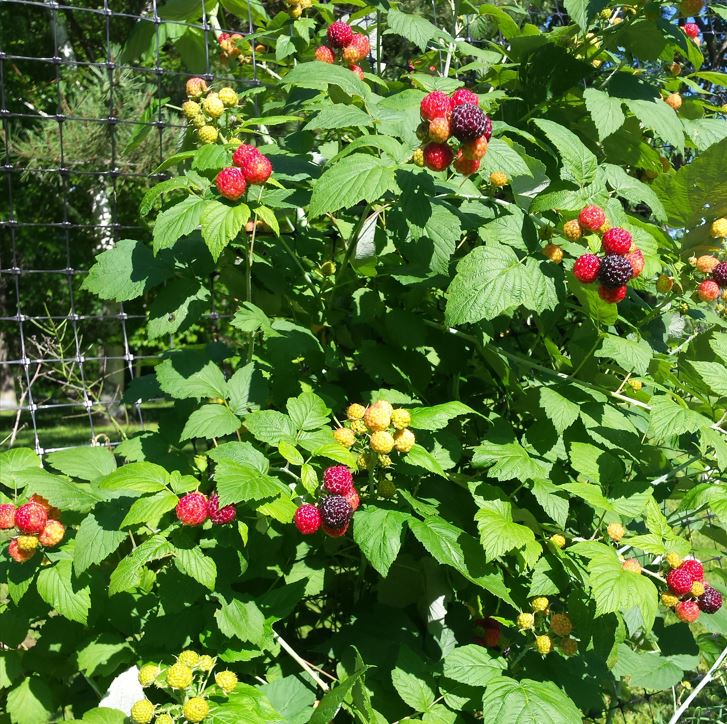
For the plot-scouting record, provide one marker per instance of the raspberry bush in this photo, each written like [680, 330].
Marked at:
[461, 452]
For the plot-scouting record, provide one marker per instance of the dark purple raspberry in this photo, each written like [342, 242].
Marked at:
[719, 274]
[710, 601]
[469, 122]
[220, 516]
[615, 271]
[336, 511]
[488, 128]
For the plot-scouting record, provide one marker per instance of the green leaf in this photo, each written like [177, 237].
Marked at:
[31, 702]
[15, 463]
[292, 699]
[127, 574]
[210, 421]
[633, 190]
[378, 533]
[126, 271]
[507, 461]
[291, 453]
[268, 216]
[527, 702]
[422, 458]
[553, 504]
[472, 665]
[136, 478]
[221, 224]
[171, 184]
[320, 75]
[95, 541]
[498, 533]
[61, 492]
[149, 509]
[414, 28]
[650, 669]
[238, 481]
[308, 411]
[331, 702]
[58, 589]
[244, 704]
[668, 419]
[489, 281]
[244, 388]
[177, 221]
[357, 178]
[340, 115]
[413, 690]
[579, 164]
[177, 306]
[270, 426]
[188, 374]
[596, 464]
[86, 463]
[195, 564]
[501, 156]
[714, 375]
[605, 111]
[438, 416]
[241, 619]
[660, 118]
[561, 411]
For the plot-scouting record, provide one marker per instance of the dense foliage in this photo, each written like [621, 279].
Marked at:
[537, 468]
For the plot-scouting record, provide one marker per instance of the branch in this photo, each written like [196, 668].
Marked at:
[707, 678]
[302, 662]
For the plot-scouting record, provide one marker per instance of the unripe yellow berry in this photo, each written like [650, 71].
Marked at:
[142, 711]
[604, 227]
[179, 676]
[553, 252]
[498, 179]
[196, 87]
[615, 531]
[164, 719]
[378, 416]
[544, 644]
[207, 134]
[540, 604]
[295, 11]
[572, 230]
[664, 284]
[213, 105]
[669, 599]
[359, 427]
[403, 440]
[228, 97]
[198, 121]
[673, 559]
[355, 411]
[635, 385]
[561, 624]
[195, 709]
[148, 674]
[362, 462]
[418, 157]
[386, 488]
[525, 621]
[706, 263]
[632, 566]
[557, 540]
[190, 109]
[27, 543]
[188, 658]
[674, 100]
[568, 646]
[226, 680]
[384, 461]
[382, 442]
[345, 436]
[205, 663]
[400, 419]
[697, 588]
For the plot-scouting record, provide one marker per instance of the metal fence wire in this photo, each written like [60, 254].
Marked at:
[85, 96]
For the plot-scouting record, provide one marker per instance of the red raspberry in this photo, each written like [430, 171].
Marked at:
[257, 169]
[220, 516]
[16, 554]
[353, 498]
[7, 516]
[464, 95]
[334, 532]
[307, 519]
[324, 54]
[691, 30]
[617, 241]
[694, 567]
[710, 601]
[636, 259]
[243, 153]
[435, 105]
[466, 166]
[680, 581]
[31, 518]
[358, 70]
[357, 49]
[492, 631]
[52, 534]
[708, 290]
[339, 34]
[612, 296]
[592, 218]
[192, 509]
[719, 274]
[476, 149]
[338, 480]
[437, 156]
[586, 268]
[231, 183]
[439, 130]
[687, 611]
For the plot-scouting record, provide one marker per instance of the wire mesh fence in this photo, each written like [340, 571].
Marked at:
[87, 92]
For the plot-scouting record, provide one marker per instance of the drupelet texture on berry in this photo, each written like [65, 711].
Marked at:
[220, 516]
[52, 534]
[334, 532]
[339, 34]
[464, 96]
[31, 518]
[435, 105]
[680, 581]
[615, 271]
[18, 555]
[572, 230]
[7, 516]
[691, 30]
[353, 498]
[719, 274]
[324, 54]
[612, 296]
[307, 519]
[474, 150]
[336, 511]
[636, 259]
[357, 49]
[192, 509]
[587, 268]
[468, 122]
[231, 183]
[592, 218]
[439, 130]
[708, 290]
[437, 156]
[687, 611]
[256, 169]
[617, 241]
[694, 568]
[337, 480]
[466, 166]
[710, 601]
[243, 153]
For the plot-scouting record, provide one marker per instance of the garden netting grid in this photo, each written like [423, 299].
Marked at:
[53, 356]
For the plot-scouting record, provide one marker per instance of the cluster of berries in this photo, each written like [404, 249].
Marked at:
[229, 47]
[250, 167]
[456, 116]
[204, 113]
[375, 431]
[195, 508]
[296, 7]
[335, 509]
[185, 679]
[38, 524]
[549, 629]
[353, 47]
[716, 285]
[621, 262]
[689, 593]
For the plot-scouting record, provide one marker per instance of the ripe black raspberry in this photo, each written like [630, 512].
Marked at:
[468, 122]
[336, 511]
[719, 274]
[615, 271]
[710, 601]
